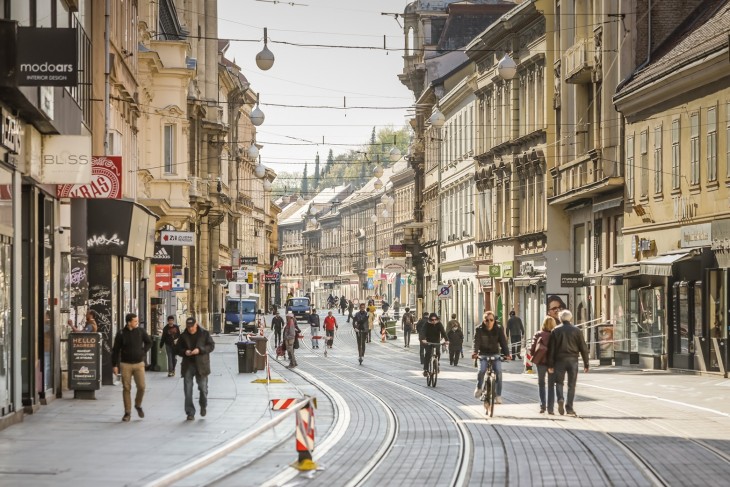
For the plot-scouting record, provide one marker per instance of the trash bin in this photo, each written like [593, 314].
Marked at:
[217, 323]
[260, 360]
[246, 351]
[158, 357]
[390, 329]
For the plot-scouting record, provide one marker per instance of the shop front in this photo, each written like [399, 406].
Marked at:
[530, 296]
[118, 248]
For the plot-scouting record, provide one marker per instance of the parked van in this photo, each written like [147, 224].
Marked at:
[241, 308]
[300, 307]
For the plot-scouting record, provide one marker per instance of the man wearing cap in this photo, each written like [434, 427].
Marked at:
[194, 346]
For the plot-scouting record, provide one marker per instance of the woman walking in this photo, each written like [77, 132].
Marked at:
[539, 352]
[456, 340]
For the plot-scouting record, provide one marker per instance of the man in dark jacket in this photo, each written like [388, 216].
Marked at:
[431, 332]
[419, 326]
[489, 340]
[516, 329]
[195, 346]
[360, 325]
[277, 323]
[170, 334]
[130, 348]
[350, 309]
[566, 343]
[343, 304]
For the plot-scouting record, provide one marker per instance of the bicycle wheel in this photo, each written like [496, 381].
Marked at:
[434, 371]
[429, 376]
[486, 394]
[492, 394]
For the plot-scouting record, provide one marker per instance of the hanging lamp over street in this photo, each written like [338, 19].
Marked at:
[265, 58]
[437, 118]
[506, 67]
[260, 170]
[257, 116]
[253, 151]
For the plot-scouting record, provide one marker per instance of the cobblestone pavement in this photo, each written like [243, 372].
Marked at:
[380, 424]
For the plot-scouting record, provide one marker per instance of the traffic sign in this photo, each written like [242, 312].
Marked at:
[444, 291]
[178, 282]
[237, 289]
[178, 238]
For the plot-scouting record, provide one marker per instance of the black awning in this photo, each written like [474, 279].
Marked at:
[120, 227]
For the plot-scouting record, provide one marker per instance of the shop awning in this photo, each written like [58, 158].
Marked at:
[613, 276]
[662, 265]
[526, 281]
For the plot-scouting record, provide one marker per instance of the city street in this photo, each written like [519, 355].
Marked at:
[379, 424]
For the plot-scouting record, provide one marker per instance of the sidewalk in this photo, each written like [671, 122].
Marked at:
[81, 442]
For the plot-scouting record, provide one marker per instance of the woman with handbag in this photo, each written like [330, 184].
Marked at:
[291, 338]
[539, 351]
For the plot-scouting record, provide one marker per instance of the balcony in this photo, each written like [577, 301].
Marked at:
[585, 177]
[579, 61]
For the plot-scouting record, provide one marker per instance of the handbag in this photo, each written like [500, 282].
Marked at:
[540, 354]
[296, 343]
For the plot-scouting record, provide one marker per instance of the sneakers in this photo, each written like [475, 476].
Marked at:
[140, 411]
[498, 400]
[126, 417]
[477, 393]
[572, 413]
[170, 374]
[542, 409]
[561, 407]
[425, 373]
[190, 417]
[203, 411]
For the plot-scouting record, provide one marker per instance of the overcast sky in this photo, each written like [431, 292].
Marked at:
[319, 76]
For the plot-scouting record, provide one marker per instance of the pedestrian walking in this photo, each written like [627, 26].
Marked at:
[195, 346]
[455, 336]
[170, 335]
[538, 352]
[130, 348]
[314, 327]
[515, 329]
[360, 323]
[277, 323]
[566, 343]
[407, 327]
[371, 319]
[343, 305]
[396, 308]
[419, 326]
[291, 332]
[330, 325]
[350, 309]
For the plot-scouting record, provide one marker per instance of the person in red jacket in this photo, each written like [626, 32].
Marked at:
[330, 325]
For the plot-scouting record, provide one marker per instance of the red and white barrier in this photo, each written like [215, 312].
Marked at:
[305, 438]
[277, 404]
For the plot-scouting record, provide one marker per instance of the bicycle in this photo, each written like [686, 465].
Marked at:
[489, 393]
[361, 337]
[433, 365]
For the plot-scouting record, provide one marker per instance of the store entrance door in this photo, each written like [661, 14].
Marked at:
[712, 339]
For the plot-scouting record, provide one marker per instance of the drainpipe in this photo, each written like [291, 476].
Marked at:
[107, 26]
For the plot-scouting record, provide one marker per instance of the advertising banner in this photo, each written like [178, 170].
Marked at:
[66, 159]
[106, 180]
[249, 261]
[185, 239]
[163, 277]
[47, 57]
[84, 361]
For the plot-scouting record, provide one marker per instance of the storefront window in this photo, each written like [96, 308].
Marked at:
[5, 321]
[650, 313]
[621, 333]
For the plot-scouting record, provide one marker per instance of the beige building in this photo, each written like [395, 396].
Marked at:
[677, 221]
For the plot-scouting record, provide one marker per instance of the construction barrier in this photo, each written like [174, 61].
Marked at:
[305, 438]
[277, 404]
[528, 363]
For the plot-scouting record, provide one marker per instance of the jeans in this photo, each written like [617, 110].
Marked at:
[128, 371]
[407, 338]
[290, 349]
[422, 353]
[497, 364]
[171, 358]
[314, 330]
[361, 339]
[427, 355]
[454, 353]
[542, 371]
[563, 367]
[202, 380]
[277, 336]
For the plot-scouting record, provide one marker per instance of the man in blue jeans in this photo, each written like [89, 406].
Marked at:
[489, 340]
[566, 343]
[194, 346]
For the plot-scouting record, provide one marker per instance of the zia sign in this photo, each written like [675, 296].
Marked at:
[106, 180]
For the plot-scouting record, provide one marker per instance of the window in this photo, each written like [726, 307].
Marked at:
[694, 148]
[658, 173]
[676, 170]
[644, 149]
[712, 144]
[169, 148]
[630, 167]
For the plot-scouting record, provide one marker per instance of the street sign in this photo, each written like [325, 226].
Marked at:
[572, 280]
[163, 277]
[495, 270]
[178, 282]
[444, 291]
[249, 261]
[237, 290]
[178, 238]
[219, 277]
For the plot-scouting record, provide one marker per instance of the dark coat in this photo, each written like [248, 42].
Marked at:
[203, 342]
[515, 328]
[489, 342]
[565, 344]
[170, 333]
[360, 321]
[541, 358]
[432, 332]
[456, 338]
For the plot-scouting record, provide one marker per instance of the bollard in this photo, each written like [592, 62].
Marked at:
[305, 438]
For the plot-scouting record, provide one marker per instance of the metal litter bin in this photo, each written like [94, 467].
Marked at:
[246, 352]
[390, 329]
[260, 352]
[158, 357]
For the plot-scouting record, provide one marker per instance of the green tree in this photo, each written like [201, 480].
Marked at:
[316, 173]
[330, 162]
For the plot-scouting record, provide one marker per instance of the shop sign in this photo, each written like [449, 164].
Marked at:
[9, 131]
[84, 361]
[178, 281]
[485, 282]
[47, 57]
[163, 278]
[495, 271]
[371, 274]
[186, 239]
[572, 280]
[699, 235]
[397, 251]
[66, 159]
[508, 269]
[167, 254]
[249, 261]
[615, 280]
[394, 265]
[271, 278]
[106, 180]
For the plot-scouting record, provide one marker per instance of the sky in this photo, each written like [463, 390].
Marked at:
[329, 76]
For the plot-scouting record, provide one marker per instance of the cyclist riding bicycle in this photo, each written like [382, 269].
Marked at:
[489, 338]
[360, 325]
[431, 332]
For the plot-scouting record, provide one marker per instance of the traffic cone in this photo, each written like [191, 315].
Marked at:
[305, 439]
